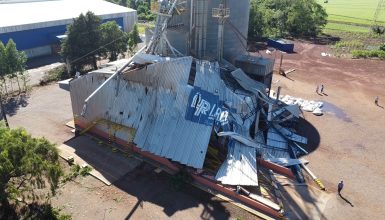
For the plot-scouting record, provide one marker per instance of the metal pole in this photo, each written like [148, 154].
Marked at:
[278, 92]
[280, 64]
[108, 80]
[3, 111]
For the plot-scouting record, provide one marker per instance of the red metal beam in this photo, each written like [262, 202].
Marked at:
[276, 168]
[204, 181]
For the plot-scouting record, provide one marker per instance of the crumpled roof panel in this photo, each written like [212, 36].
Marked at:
[153, 100]
[174, 120]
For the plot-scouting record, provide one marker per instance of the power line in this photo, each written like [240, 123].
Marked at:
[77, 59]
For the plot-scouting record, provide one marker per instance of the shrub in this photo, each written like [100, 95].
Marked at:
[382, 47]
[378, 29]
[352, 45]
[368, 54]
[55, 74]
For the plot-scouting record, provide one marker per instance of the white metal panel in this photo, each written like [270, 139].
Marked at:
[24, 16]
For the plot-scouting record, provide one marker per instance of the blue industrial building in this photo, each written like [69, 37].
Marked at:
[38, 26]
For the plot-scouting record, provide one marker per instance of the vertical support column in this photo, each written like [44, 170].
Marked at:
[220, 40]
[278, 92]
[190, 37]
[221, 14]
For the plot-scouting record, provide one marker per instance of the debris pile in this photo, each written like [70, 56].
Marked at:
[213, 118]
[306, 105]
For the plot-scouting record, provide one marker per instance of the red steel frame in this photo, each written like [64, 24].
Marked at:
[199, 179]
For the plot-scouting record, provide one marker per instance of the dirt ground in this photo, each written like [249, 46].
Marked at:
[349, 145]
[351, 136]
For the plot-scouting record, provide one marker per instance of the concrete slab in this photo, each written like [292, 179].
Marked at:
[108, 166]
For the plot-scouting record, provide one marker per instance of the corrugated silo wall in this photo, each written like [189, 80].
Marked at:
[234, 45]
[178, 36]
[239, 16]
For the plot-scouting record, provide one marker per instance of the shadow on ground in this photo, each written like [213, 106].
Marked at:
[148, 186]
[13, 104]
[43, 60]
[306, 129]
[304, 202]
[139, 180]
[324, 39]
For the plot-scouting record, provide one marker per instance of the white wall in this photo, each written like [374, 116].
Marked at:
[21, 1]
[38, 51]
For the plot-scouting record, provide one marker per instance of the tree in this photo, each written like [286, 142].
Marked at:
[135, 34]
[305, 18]
[12, 62]
[3, 63]
[278, 18]
[81, 47]
[113, 39]
[144, 10]
[133, 38]
[125, 3]
[255, 21]
[26, 164]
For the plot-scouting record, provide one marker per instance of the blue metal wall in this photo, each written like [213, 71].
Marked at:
[41, 36]
[281, 45]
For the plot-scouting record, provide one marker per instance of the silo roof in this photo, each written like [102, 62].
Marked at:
[31, 15]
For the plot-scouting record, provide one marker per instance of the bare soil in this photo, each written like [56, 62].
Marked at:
[351, 146]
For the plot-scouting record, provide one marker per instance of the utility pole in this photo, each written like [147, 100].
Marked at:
[3, 111]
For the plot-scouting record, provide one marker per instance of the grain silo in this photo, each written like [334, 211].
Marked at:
[194, 31]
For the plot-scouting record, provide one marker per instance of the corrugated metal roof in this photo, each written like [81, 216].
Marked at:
[152, 100]
[55, 13]
[240, 167]
[275, 139]
[246, 82]
[290, 135]
[278, 143]
[155, 100]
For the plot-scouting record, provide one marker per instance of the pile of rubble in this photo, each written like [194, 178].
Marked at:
[306, 105]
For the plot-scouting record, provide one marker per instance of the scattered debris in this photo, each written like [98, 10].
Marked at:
[309, 106]
[326, 54]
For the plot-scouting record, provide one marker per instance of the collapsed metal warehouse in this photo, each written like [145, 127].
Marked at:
[194, 99]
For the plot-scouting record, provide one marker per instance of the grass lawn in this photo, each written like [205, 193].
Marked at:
[142, 27]
[346, 27]
[358, 12]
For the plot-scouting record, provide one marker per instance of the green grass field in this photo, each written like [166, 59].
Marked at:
[352, 15]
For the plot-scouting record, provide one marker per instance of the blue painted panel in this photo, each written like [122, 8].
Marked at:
[279, 45]
[41, 36]
[205, 108]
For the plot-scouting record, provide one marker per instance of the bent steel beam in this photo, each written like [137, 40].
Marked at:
[120, 70]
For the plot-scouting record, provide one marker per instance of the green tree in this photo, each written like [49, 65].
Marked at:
[255, 21]
[279, 18]
[134, 33]
[305, 18]
[12, 62]
[81, 47]
[3, 64]
[125, 3]
[133, 38]
[113, 39]
[26, 164]
[144, 11]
